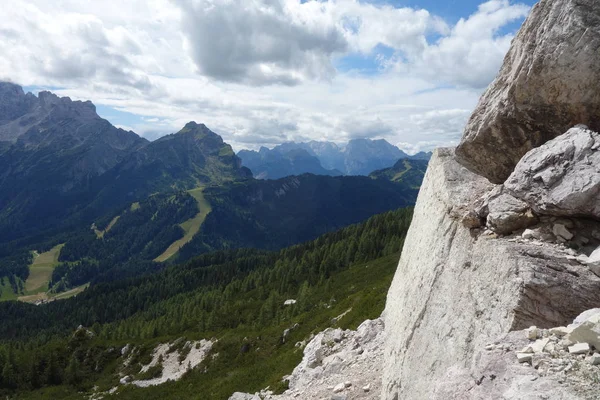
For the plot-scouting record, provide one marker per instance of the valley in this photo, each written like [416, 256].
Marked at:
[237, 297]
[173, 241]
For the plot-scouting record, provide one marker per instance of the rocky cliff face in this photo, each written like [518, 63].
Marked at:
[457, 289]
[483, 262]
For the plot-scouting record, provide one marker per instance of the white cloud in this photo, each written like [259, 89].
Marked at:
[230, 64]
[261, 41]
[472, 53]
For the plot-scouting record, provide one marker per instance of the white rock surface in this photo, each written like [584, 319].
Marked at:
[587, 331]
[579, 348]
[173, 369]
[562, 177]
[548, 83]
[457, 290]
[244, 396]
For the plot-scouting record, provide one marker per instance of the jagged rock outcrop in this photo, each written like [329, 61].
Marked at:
[548, 84]
[457, 289]
[337, 364]
[561, 177]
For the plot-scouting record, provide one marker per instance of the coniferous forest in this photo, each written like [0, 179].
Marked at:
[230, 295]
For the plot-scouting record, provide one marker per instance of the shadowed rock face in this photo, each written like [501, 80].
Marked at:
[548, 83]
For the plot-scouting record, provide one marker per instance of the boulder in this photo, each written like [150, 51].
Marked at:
[503, 213]
[547, 84]
[584, 316]
[587, 331]
[507, 214]
[561, 177]
[561, 231]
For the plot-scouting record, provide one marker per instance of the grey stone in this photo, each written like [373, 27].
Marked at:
[524, 357]
[548, 83]
[562, 231]
[561, 177]
[579, 348]
[436, 306]
[587, 331]
[594, 359]
[507, 214]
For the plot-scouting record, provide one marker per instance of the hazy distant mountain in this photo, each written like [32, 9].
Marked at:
[358, 157]
[278, 163]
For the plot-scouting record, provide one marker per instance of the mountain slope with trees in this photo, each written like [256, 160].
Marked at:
[231, 295]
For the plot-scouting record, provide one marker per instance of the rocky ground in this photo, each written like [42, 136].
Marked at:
[172, 368]
[337, 364]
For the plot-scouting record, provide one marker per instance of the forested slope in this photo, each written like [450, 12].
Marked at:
[228, 295]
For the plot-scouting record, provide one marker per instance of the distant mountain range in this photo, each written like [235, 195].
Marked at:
[357, 157]
[61, 163]
[114, 199]
[165, 238]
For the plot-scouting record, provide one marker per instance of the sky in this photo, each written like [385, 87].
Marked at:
[263, 72]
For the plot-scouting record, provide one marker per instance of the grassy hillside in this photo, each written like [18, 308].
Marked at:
[41, 269]
[408, 172]
[190, 227]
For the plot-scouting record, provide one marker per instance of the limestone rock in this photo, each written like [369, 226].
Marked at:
[524, 357]
[547, 84]
[587, 332]
[579, 348]
[540, 345]
[243, 396]
[562, 177]
[508, 214]
[560, 230]
[339, 388]
[456, 291]
[585, 316]
[594, 359]
[593, 261]
[330, 369]
[126, 349]
[532, 333]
